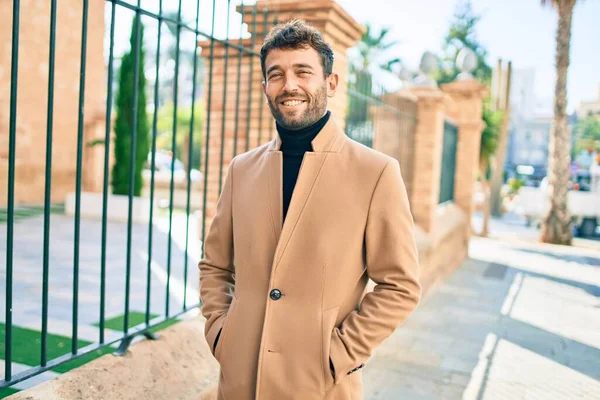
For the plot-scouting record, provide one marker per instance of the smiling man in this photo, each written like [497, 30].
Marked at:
[302, 223]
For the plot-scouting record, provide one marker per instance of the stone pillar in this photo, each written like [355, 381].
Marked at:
[243, 110]
[468, 97]
[32, 95]
[429, 135]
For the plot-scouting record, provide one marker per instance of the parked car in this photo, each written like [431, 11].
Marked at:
[584, 205]
[163, 161]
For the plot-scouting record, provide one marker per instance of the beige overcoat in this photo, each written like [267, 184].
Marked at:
[285, 298]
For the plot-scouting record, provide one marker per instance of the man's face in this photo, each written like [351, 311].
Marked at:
[296, 87]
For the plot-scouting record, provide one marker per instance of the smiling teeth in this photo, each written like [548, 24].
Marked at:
[292, 103]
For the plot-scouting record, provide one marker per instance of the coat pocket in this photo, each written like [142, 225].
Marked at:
[226, 324]
[327, 323]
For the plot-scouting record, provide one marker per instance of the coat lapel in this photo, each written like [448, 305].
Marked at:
[275, 191]
[309, 171]
[329, 140]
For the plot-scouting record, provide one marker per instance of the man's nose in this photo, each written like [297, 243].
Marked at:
[291, 84]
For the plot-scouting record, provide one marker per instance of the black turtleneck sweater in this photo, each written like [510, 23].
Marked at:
[293, 145]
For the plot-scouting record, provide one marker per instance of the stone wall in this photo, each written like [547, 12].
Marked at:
[442, 230]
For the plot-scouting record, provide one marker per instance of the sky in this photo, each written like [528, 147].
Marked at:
[518, 30]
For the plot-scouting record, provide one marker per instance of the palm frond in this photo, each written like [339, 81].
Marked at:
[387, 66]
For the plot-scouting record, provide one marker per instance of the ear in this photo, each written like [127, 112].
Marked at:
[264, 87]
[332, 84]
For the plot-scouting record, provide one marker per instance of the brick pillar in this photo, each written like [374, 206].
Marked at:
[256, 122]
[32, 99]
[468, 97]
[429, 134]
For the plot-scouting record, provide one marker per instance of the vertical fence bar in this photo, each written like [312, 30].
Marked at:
[153, 166]
[207, 139]
[190, 152]
[249, 116]
[174, 154]
[224, 112]
[132, 161]
[239, 79]
[47, 190]
[109, 100]
[275, 22]
[276, 17]
[262, 102]
[11, 188]
[78, 175]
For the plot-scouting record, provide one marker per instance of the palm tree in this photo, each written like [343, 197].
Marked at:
[371, 47]
[556, 222]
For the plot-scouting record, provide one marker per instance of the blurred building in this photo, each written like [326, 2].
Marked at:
[585, 157]
[527, 155]
[590, 107]
[529, 131]
[522, 95]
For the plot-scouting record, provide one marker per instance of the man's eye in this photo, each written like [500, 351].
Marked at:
[274, 76]
[304, 72]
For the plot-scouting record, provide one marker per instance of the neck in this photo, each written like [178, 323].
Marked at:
[300, 140]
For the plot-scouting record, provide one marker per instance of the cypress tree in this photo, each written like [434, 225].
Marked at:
[124, 120]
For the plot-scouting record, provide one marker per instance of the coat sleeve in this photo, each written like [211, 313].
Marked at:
[216, 267]
[392, 263]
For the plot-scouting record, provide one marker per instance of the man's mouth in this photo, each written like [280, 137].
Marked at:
[292, 103]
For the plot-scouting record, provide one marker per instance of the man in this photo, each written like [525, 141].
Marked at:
[301, 224]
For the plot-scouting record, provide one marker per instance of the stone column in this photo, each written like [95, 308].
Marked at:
[429, 135]
[243, 109]
[468, 97]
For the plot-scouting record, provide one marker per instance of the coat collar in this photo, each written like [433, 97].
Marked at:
[329, 140]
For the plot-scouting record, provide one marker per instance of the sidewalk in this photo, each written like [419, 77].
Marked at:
[518, 320]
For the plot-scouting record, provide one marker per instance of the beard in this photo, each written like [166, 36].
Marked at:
[310, 111]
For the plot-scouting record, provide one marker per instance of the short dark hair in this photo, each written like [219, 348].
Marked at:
[296, 34]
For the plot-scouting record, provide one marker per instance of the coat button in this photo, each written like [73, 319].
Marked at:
[275, 294]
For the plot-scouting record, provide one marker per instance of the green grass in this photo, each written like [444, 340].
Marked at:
[26, 345]
[30, 211]
[7, 392]
[116, 323]
[135, 318]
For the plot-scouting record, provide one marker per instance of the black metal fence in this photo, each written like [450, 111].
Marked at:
[450, 142]
[115, 265]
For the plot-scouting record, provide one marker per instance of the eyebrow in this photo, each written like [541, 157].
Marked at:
[299, 65]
